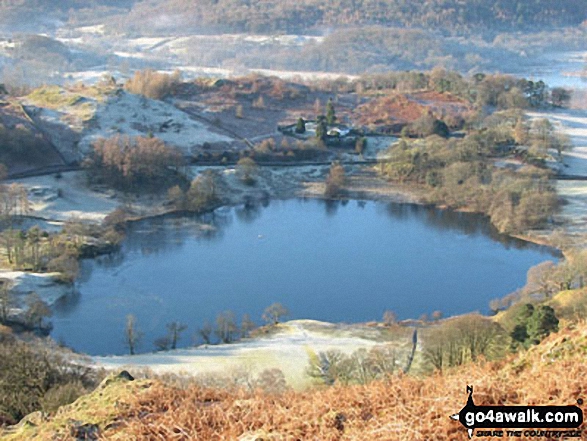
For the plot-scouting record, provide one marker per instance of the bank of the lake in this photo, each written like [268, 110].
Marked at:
[345, 261]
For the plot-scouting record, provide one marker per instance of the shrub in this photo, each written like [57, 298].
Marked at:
[61, 395]
[33, 377]
[129, 163]
[153, 84]
[335, 180]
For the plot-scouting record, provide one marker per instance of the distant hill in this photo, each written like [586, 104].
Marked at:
[44, 15]
[299, 15]
[147, 16]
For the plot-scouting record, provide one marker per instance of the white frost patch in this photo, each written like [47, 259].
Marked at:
[45, 285]
[75, 201]
[304, 75]
[97, 29]
[286, 350]
[572, 122]
[134, 115]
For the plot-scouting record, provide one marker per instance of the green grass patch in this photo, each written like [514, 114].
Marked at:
[53, 97]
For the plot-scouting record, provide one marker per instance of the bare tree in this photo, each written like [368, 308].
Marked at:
[206, 332]
[437, 315]
[132, 336]
[175, 329]
[162, 343]
[247, 325]
[540, 279]
[274, 313]
[37, 311]
[389, 318]
[335, 180]
[226, 327]
[247, 169]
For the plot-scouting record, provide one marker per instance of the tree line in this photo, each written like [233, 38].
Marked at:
[460, 173]
[226, 329]
[133, 164]
[273, 16]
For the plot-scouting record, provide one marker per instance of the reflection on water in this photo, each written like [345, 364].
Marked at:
[325, 260]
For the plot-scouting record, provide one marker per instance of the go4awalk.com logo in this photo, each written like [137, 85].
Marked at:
[520, 421]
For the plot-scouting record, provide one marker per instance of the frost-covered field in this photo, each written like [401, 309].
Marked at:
[133, 115]
[572, 122]
[287, 350]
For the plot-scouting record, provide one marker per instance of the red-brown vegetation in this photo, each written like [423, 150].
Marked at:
[400, 408]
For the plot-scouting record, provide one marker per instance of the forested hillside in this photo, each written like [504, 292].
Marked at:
[301, 15]
[36, 15]
[298, 15]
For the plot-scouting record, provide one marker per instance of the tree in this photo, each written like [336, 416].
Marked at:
[30, 375]
[7, 301]
[519, 335]
[127, 163]
[541, 279]
[389, 318]
[34, 240]
[37, 311]
[321, 128]
[533, 324]
[239, 113]
[153, 84]
[541, 323]
[361, 145]
[247, 325]
[463, 339]
[206, 332]
[202, 192]
[259, 103]
[247, 170]
[335, 180]
[428, 125]
[521, 132]
[561, 143]
[301, 126]
[560, 97]
[329, 367]
[162, 343]
[226, 327]
[543, 129]
[177, 197]
[274, 313]
[175, 329]
[132, 336]
[330, 112]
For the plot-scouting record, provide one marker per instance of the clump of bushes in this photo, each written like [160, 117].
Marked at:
[533, 325]
[200, 196]
[34, 377]
[133, 163]
[464, 339]
[152, 84]
[335, 181]
[460, 173]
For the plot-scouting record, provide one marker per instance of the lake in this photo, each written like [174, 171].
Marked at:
[337, 262]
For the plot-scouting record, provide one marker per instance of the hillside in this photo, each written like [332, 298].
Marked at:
[47, 14]
[295, 16]
[403, 407]
[75, 117]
